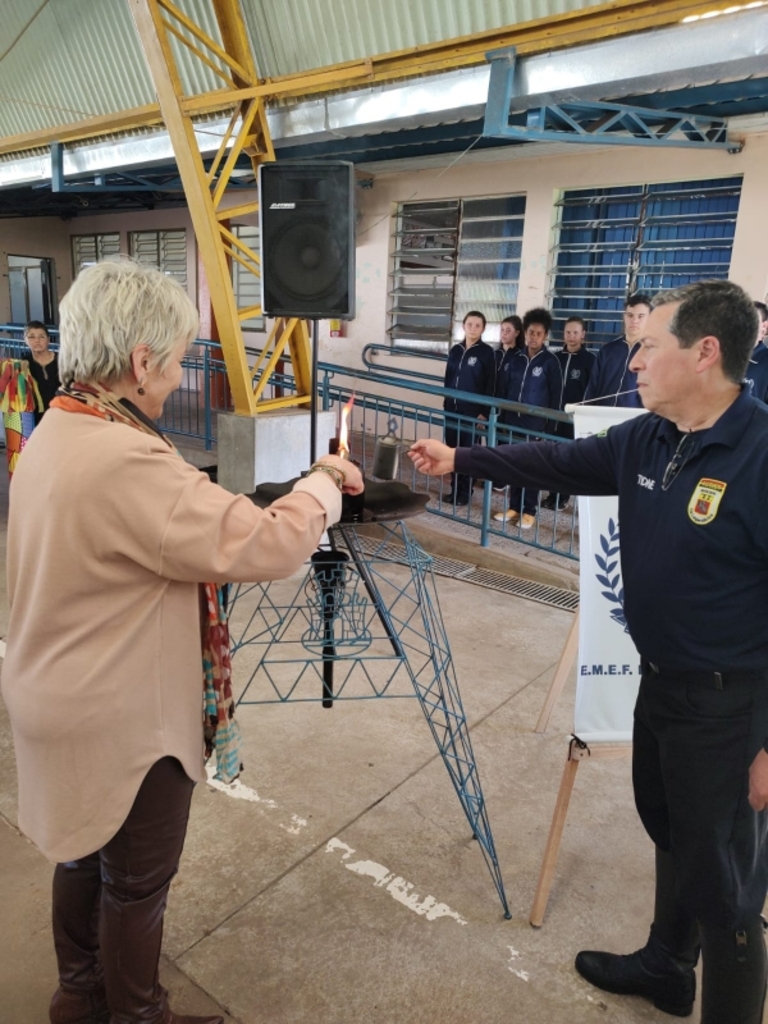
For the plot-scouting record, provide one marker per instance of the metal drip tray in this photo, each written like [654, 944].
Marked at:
[382, 501]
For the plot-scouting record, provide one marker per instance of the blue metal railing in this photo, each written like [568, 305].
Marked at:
[191, 413]
[554, 531]
[373, 348]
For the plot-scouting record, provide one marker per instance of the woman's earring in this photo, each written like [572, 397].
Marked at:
[141, 390]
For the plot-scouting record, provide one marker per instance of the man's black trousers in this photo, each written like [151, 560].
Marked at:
[693, 745]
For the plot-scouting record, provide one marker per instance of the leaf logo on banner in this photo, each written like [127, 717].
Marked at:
[610, 576]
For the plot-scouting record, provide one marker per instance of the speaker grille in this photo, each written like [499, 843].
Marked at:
[307, 231]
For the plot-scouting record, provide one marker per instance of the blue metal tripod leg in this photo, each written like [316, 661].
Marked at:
[438, 691]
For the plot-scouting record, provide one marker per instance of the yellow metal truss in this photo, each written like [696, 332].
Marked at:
[157, 23]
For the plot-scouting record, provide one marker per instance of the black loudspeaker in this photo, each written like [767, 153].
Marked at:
[307, 222]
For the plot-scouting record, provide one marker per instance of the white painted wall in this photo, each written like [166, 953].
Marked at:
[33, 236]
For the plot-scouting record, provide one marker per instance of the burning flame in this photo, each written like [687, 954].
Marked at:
[344, 432]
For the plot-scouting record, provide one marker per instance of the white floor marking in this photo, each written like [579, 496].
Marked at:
[297, 824]
[336, 844]
[237, 790]
[397, 887]
[513, 956]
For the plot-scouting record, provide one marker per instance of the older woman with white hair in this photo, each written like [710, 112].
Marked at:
[114, 638]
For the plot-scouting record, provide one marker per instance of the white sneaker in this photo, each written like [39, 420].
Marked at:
[510, 516]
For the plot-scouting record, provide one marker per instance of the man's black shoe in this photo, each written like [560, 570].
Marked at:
[549, 502]
[671, 991]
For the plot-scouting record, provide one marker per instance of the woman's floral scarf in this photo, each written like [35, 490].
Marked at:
[220, 729]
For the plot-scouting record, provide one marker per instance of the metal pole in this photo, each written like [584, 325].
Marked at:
[313, 399]
[207, 399]
[374, 593]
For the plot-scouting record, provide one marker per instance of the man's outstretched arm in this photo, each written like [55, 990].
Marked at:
[574, 467]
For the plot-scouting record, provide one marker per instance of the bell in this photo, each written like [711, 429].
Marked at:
[386, 454]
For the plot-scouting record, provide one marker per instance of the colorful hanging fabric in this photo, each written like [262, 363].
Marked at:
[19, 400]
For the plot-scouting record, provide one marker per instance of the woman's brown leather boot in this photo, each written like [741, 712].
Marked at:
[70, 1007]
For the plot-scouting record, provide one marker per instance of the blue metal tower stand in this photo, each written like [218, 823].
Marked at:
[365, 623]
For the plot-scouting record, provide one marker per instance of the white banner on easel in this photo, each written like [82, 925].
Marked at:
[608, 665]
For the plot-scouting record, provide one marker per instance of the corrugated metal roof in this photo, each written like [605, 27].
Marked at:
[81, 58]
[295, 35]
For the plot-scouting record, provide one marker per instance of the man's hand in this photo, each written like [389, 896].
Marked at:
[432, 457]
[758, 782]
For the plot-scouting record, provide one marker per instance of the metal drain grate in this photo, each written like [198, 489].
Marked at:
[543, 593]
[557, 597]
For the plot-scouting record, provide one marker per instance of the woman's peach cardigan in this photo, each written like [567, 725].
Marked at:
[110, 534]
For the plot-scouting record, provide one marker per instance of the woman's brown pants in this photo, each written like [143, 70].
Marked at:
[108, 907]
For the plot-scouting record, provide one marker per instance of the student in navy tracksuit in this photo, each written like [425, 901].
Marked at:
[512, 339]
[471, 367]
[576, 364]
[757, 370]
[533, 377]
[612, 382]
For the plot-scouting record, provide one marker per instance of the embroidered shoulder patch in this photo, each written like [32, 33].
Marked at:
[705, 500]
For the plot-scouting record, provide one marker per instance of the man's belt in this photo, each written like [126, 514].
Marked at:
[703, 677]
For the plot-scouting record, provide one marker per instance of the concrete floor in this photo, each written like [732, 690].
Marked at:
[301, 895]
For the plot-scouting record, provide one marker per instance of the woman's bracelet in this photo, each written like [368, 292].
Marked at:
[336, 475]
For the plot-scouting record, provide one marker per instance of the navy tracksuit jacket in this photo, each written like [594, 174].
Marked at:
[576, 369]
[611, 375]
[536, 381]
[502, 356]
[757, 372]
[470, 369]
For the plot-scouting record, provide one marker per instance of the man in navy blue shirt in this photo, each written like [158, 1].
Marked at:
[612, 381]
[692, 481]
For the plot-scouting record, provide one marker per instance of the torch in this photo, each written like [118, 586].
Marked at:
[342, 448]
[352, 505]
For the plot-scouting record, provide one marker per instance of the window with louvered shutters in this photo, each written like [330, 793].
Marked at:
[166, 250]
[88, 249]
[247, 286]
[612, 242]
[452, 256]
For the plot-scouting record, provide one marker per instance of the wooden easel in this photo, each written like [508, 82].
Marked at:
[563, 670]
[577, 752]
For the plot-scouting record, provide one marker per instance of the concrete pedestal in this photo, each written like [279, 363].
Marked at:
[268, 448]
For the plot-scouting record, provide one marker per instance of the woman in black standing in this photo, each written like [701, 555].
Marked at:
[43, 364]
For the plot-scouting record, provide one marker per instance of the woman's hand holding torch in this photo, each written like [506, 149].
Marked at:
[353, 478]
